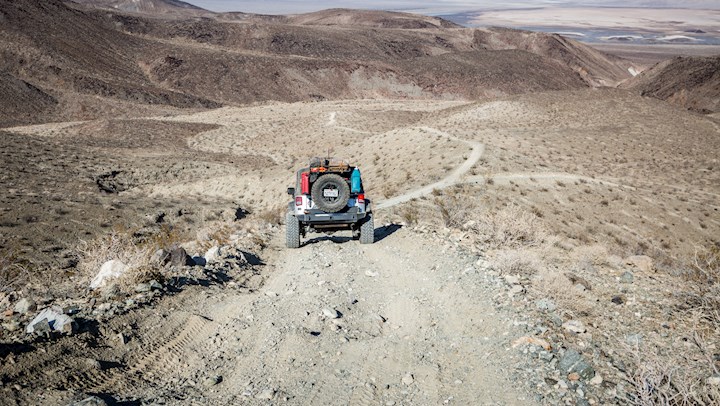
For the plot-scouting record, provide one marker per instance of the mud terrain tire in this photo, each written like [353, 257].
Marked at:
[330, 204]
[367, 230]
[292, 230]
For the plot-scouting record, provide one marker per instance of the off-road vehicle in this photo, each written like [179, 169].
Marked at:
[328, 196]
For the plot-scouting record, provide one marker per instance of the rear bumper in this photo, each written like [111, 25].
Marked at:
[320, 217]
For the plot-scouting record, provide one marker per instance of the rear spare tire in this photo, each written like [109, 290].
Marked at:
[330, 193]
[367, 230]
[292, 230]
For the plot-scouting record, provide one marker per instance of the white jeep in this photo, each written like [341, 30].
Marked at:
[328, 196]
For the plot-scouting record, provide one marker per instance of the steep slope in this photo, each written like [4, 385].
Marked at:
[22, 102]
[690, 82]
[596, 67]
[165, 8]
[71, 54]
[86, 57]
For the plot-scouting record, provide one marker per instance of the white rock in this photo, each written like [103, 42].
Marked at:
[371, 273]
[213, 254]
[408, 379]
[267, 394]
[330, 313]
[56, 321]
[575, 326]
[596, 380]
[110, 270]
[512, 280]
[25, 305]
[714, 381]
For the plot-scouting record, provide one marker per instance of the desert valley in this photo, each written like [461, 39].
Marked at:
[547, 212]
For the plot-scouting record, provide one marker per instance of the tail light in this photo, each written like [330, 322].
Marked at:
[298, 201]
[360, 198]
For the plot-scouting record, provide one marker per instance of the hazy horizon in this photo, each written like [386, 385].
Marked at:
[437, 7]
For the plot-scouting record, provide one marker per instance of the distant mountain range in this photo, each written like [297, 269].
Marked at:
[63, 60]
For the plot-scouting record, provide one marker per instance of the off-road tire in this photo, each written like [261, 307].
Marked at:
[292, 231]
[367, 230]
[330, 204]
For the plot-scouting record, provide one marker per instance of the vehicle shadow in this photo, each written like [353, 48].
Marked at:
[380, 234]
[385, 231]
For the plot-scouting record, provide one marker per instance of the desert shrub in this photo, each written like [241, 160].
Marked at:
[118, 244]
[13, 270]
[517, 262]
[511, 227]
[410, 214]
[456, 206]
[273, 216]
[701, 290]
[677, 377]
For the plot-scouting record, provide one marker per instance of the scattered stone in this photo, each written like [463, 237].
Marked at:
[574, 376]
[641, 262]
[634, 339]
[12, 325]
[574, 326]
[627, 277]
[532, 341]
[371, 274]
[155, 285]
[199, 261]
[618, 299]
[110, 270]
[212, 381]
[160, 257]
[179, 258]
[577, 280]
[91, 401]
[408, 379]
[142, 287]
[331, 313]
[49, 320]
[572, 361]
[270, 293]
[212, 255]
[516, 290]
[25, 305]
[267, 394]
[93, 364]
[713, 381]
[512, 280]
[596, 380]
[545, 304]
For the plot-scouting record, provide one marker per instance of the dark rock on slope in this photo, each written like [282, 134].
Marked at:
[689, 82]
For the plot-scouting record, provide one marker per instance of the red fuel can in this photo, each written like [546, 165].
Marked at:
[305, 183]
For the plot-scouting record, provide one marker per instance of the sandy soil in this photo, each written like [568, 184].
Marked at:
[417, 323]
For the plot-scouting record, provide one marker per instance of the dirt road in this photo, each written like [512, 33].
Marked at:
[403, 321]
[412, 327]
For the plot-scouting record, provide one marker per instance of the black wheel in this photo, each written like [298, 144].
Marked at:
[292, 229]
[367, 230]
[330, 193]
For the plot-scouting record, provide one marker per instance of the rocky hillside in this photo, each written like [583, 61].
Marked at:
[690, 82]
[106, 64]
[153, 7]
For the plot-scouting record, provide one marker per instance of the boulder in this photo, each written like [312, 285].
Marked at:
[51, 319]
[572, 361]
[110, 270]
[179, 258]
